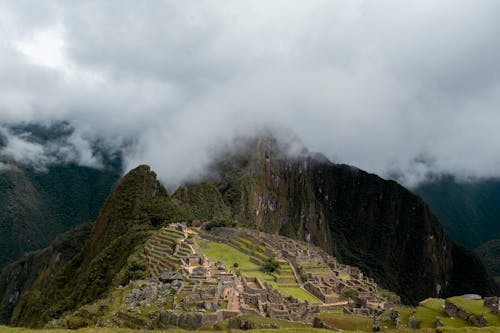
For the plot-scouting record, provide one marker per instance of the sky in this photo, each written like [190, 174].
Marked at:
[404, 89]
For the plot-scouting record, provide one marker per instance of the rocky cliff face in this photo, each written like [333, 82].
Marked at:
[392, 235]
[364, 220]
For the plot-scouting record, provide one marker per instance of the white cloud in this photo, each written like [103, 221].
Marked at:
[67, 149]
[392, 87]
[45, 48]
[4, 167]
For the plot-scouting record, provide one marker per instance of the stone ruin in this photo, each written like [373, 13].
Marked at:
[330, 284]
[493, 303]
[208, 293]
[263, 300]
[455, 311]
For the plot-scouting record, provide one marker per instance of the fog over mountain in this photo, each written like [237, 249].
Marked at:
[406, 90]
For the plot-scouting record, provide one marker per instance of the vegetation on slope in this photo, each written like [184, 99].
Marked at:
[362, 219]
[230, 256]
[490, 255]
[5, 329]
[124, 224]
[36, 266]
[36, 206]
[470, 211]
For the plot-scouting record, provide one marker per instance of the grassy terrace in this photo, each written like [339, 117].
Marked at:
[317, 268]
[230, 255]
[159, 250]
[5, 329]
[343, 321]
[428, 310]
[404, 312]
[476, 308]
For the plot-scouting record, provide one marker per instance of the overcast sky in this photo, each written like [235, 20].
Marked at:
[394, 87]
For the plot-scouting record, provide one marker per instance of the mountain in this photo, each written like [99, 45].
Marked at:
[37, 205]
[489, 252]
[125, 222]
[363, 220]
[24, 273]
[469, 211]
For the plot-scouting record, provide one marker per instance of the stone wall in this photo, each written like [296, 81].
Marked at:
[455, 311]
[493, 303]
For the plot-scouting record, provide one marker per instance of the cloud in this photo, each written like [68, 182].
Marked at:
[23, 148]
[3, 167]
[405, 90]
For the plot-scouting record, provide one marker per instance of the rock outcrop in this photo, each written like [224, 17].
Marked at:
[360, 218]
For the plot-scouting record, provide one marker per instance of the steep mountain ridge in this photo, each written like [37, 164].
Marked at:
[124, 223]
[35, 267]
[362, 219]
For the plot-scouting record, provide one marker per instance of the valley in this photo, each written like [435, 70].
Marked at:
[268, 241]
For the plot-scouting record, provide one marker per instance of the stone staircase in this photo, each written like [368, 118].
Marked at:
[165, 249]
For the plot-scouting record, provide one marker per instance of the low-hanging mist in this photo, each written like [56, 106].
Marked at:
[407, 91]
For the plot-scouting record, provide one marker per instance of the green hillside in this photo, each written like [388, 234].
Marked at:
[297, 240]
[37, 204]
[470, 211]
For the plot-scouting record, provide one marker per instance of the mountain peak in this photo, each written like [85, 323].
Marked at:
[124, 207]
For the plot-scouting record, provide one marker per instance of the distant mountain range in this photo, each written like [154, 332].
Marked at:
[36, 206]
[470, 212]
[363, 220]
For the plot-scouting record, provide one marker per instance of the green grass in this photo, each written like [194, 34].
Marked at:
[5, 329]
[298, 293]
[318, 268]
[431, 308]
[281, 323]
[469, 330]
[249, 244]
[404, 312]
[229, 255]
[346, 322]
[426, 316]
[476, 307]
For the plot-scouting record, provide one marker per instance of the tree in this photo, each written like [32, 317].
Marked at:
[270, 266]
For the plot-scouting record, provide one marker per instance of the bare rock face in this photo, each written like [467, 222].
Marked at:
[362, 219]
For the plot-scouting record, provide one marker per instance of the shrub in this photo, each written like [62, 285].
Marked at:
[349, 293]
[270, 266]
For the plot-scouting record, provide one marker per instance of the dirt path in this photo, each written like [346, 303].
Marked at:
[234, 301]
